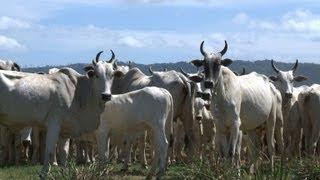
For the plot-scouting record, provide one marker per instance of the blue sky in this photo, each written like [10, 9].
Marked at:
[51, 32]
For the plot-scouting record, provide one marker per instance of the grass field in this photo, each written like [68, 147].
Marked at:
[296, 169]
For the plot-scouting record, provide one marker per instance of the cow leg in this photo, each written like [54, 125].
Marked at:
[63, 148]
[35, 145]
[234, 135]
[11, 148]
[295, 140]
[103, 148]
[142, 151]
[127, 146]
[17, 147]
[53, 159]
[238, 150]
[159, 159]
[270, 137]
[279, 133]
[51, 141]
[314, 137]
[221, 142]
[255, 146]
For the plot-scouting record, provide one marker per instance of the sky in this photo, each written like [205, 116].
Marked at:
[56, 32]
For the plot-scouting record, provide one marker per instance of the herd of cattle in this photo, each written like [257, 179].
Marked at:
[112, 112]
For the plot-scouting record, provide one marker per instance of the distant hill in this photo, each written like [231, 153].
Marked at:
[311, 70]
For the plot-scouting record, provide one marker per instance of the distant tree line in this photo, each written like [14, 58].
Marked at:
[311, 70]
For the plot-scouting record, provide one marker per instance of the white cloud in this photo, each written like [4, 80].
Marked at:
[10, 23]
[130, 41]
[241, 18]
[7, 43]
[301, 20]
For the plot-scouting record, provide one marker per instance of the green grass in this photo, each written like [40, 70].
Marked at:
[295, 169]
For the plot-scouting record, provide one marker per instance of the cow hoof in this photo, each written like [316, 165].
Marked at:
[144, 166]
[124, 169]
[42, 176]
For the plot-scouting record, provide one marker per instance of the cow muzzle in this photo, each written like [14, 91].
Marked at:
[198, 118]
[208, 84]
[106, 97]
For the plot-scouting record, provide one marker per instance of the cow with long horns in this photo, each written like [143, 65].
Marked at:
[239, 102]
[64, 103]
[284, 82]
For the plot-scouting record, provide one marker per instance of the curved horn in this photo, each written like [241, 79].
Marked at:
[150, 70]
[224, 50]
[112, 57]
[98, 56]
[94, 62]
[184, 73]
[203, 52]
[294, 68]
[17, 66]
[274, 67]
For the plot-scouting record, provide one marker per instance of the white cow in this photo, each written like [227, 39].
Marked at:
[205, 120]
[284, 82]
[14, 143]
[239, 102]
[65, 102]
[148, 108]
[309, 103]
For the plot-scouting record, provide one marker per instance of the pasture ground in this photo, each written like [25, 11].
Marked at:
[307, 168]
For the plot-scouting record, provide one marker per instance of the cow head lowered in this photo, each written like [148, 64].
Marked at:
[104, 72]
[285, 79]
[212, 64]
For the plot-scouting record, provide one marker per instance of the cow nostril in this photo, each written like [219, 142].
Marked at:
[208, 84]
[198, 118]
[106, 97]
[288, 95]
[206, 96]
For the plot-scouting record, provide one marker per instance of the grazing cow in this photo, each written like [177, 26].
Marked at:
[125, 114]
[239, 102]
[309, 103]
[284, 82]
[65, 102]
[176, 84]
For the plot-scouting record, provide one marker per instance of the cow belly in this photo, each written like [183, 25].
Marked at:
[252, 116]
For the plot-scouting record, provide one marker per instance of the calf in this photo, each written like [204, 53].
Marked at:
[125, 114]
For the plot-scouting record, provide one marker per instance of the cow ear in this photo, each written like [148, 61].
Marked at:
[88, 68]
[273, 78]
[118, 73]
[91, 74]
[300, 78]
[197, 62]
[226, 62]
[196, 78]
